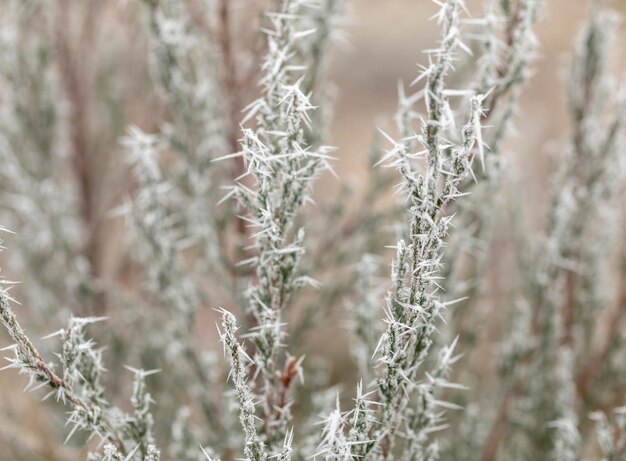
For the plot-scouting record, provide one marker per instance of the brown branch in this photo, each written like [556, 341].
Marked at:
[498, 429]
[599, 359]
[56, 383]
[31, 361]
[228, 76]
[518, 382]
[286, 377]
[74, 81]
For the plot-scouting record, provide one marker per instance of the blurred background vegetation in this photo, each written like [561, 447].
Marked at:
[101, 50]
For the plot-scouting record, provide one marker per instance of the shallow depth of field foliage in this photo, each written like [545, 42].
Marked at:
[183, 244]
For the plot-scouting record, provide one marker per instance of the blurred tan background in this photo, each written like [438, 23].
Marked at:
[386, 39]
[385, 42]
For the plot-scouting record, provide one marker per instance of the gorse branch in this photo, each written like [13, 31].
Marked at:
[79, 386]
[239, 363]
[413, 306]
[282, 166]
[393, 389]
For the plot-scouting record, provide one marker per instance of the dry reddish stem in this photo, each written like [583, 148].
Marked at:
[285, 377]
[55, 382]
